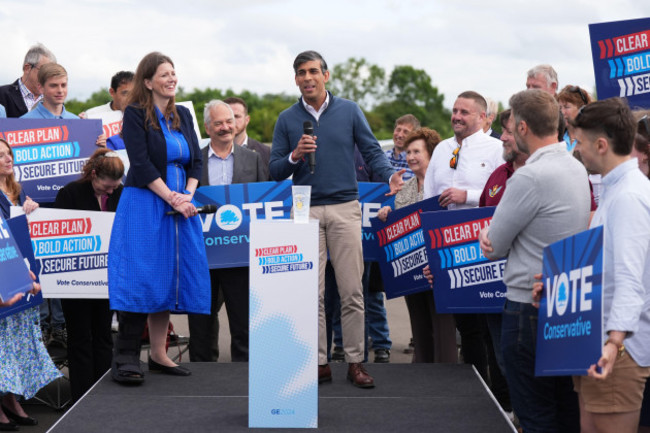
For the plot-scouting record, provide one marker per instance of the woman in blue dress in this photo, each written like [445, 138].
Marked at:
[156, 262]
[25, 365]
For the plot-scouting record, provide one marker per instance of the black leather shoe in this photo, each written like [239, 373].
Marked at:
[154, 367]
[382, 356]
[8, 426]
[19, 420]
[338, 355]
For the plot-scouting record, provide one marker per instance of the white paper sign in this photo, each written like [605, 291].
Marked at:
[71, 247]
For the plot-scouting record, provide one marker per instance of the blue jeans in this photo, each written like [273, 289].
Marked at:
[52, 314]
[542, 404]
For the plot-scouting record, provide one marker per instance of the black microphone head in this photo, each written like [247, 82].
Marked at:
[208, 208]
[308, 128]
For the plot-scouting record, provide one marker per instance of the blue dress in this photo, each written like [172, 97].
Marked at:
[157, 262]
[25, 365]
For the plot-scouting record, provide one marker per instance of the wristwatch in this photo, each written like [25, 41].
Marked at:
[619, 347]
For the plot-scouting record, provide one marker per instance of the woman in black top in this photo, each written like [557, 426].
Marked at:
[90, 343]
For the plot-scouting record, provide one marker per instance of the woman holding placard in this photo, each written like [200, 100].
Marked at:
[25, 365]
[434, 335]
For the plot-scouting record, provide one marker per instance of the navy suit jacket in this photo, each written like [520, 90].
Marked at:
[147, 148]
[247, 166]
[12, 100]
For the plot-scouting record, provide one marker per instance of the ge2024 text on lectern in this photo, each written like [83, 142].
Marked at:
[283, 353]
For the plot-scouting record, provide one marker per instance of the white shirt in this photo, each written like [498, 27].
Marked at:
[311, 110]
[97, 111]
[479, 156]
[624, 213]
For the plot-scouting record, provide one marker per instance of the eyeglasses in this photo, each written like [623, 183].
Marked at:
[579, 91]
[453, 162]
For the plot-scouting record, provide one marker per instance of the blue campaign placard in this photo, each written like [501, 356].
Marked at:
[621, 57]
[401, 242]
[49, 153]
[15, 276]
[226, 233]
[372, 197]
[465, 281]
[20, 232]
[569, 329]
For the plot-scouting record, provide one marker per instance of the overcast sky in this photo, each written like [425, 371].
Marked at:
[485, 46]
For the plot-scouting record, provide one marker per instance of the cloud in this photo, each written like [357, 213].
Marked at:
[486, 46]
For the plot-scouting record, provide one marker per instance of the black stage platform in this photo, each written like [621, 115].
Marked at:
[408, 398]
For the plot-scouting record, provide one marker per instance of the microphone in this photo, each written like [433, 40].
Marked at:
[308, 129]
[208, 208]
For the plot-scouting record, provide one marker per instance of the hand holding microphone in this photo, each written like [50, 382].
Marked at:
[188, 211]
[308, 129]
[306, 146]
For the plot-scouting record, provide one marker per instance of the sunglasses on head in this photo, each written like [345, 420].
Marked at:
[579, 91]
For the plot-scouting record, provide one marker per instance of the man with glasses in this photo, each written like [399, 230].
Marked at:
[20, 96]
[458, 170]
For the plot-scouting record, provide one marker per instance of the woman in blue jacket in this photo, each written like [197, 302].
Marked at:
[156, 262]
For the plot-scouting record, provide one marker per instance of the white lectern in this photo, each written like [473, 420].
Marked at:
[283, 340]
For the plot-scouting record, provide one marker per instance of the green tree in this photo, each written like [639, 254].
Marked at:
[411, 91]
[100, 97]
[359, 81]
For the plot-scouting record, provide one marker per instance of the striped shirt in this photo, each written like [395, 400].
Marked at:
[29, 98]
[399, 163]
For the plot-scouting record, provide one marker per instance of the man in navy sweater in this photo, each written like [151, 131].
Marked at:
[339, 124]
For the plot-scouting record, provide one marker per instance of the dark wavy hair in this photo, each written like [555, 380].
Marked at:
[142, 97]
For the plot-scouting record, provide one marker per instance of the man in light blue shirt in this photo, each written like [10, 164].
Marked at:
[53, 84]
[225, 163]
[3, 112]
[611, 399]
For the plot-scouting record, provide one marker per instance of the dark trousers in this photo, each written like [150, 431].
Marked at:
[129, 340]
[233, 283]
[434, 334]
[473, 331]
[498, 383]
[89, 342]
[542, 404]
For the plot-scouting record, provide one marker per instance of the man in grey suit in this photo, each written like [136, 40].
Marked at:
[225, 163]
[242, 139]
[20, 96]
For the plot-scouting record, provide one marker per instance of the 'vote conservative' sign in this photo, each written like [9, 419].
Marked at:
[465, 281]
[49, 153]
[569, 330]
